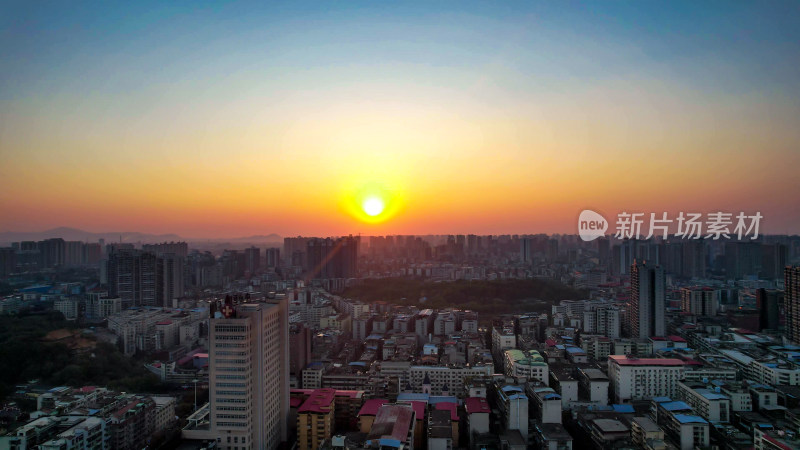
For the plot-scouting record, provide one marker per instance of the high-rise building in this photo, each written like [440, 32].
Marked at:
[700, 300]
[792, 302]
[694, 259]
[526, 250]
[300, 348]
[252, 259]
[233, 263]
[623, 255]
[773, 260]
[603, 250]
[295, 249]
[8, 261]
[604, 320]
[171, 267]
[272, 257]
[552, 249]
[472, 244]
[93, 252]
[73, 253]
[136, 277]
[28, 256]
[176, 248]
[53, 252]
[249, 374]
[647, 302]
[672, 257]
[332, 258]
[769, 303]
[742, 259]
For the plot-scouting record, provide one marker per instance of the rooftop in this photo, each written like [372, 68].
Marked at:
[439, 425]
[647, 424]
[675, 406]
[686, 418]
[477, 405]
[610, 426]
[392, 422]
[553, 432]
[626, 361]
[595, 374]
[372, 406]
[320, 401]
[452, 407]
[711, 395]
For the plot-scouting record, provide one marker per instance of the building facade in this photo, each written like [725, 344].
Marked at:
[249, 374]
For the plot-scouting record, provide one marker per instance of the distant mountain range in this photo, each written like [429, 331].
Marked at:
[73, 234]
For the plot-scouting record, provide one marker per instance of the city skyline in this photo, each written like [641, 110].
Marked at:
[235, 119]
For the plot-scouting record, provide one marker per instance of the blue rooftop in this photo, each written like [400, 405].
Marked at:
[710, 395]
[413, 396]
[623, 408]
[600, 408]
[685, 418]
[385, 442]
[676, 406]
[435, 399]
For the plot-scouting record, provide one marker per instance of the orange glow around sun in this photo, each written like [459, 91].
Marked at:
[371, 203]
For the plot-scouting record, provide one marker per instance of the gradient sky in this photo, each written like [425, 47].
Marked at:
[230, 119]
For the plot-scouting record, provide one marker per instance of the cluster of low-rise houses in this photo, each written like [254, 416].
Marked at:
[90, 417]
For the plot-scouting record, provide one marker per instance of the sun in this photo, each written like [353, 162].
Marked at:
[372, 206]
[371, 202]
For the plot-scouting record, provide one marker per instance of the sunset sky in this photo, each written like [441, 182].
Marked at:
[232, 119]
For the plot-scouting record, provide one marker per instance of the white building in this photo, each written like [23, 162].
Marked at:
[68, 307]
[603, 320]
[503, 338]
[642, 379]
[470, 324]
[546, 404]
[594, 385]
[82, 433]
[700, 300]
[478, 411]
[526, 364]
[774, 373]
[165, 412]
[451, 377]
[712, 406]
[249, 375]
[688, 430]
